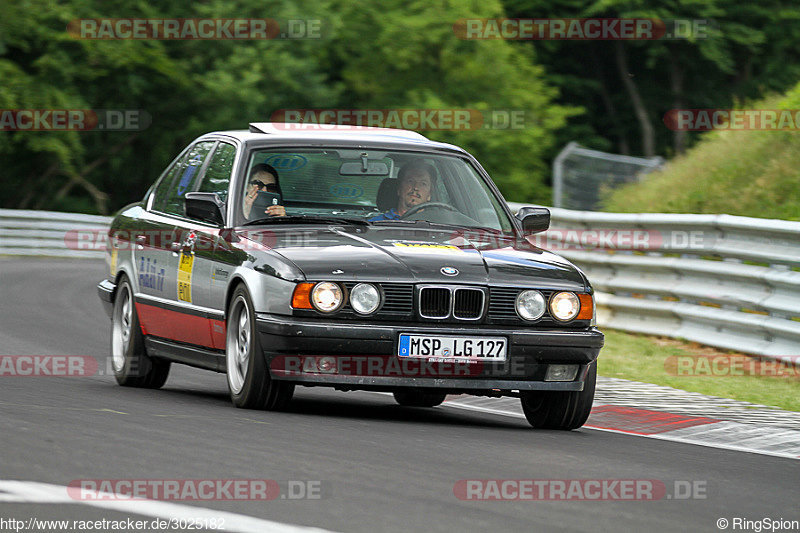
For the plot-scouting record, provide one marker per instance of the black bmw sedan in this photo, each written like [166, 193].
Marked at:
[349, 257]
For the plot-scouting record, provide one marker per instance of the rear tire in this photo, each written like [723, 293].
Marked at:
[560, 410]
[129, 360]
[419, 398]
[249, 382]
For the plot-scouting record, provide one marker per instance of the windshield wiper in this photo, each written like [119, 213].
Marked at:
[437, 224]
[476, 228]
[307, 219]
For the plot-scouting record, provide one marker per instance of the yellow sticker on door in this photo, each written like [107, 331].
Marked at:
[185, 277]
[113, 262]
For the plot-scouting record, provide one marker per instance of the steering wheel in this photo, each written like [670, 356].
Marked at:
[421, 207]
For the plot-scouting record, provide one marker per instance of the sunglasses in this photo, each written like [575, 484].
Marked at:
[269, 187]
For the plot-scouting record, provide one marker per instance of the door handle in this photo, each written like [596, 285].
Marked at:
[189, 241]
[140, 240]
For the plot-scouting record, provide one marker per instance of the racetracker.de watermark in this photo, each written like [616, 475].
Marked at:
[212, 29]
[732, 119]
[48, 366]
[407, 119]
[62, 366]
[553, 239]
[557, 239]
[537, 490]
[194, 489]
[732, 366]
[468, 359]
[583, 29]
[104, 524]
[74, 120]
[451, 366]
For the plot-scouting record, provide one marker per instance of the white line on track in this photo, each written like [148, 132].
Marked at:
[35, 492]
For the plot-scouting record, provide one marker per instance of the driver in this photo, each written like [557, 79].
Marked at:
[415, 182]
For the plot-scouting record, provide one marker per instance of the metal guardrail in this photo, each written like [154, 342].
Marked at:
[725, 281]
[49, 233]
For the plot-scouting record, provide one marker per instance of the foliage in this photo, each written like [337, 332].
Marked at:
[385, 55]
[747, 50]
[748, 173]
[378, 55]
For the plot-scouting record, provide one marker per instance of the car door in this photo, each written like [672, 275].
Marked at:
[216, 179]
[150, 239]
[167, 253]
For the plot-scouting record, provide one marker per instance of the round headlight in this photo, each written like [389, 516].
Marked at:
[365, 298]
[327, 297]
[565, 306]
[531, 305]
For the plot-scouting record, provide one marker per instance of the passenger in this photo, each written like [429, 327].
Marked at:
[263, 177]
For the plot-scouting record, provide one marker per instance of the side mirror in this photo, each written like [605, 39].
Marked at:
[205, 206]
[534, 219]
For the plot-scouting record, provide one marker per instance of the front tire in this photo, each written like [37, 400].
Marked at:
[560, 410]
[249, 382]
[129, 360]
[419, 398]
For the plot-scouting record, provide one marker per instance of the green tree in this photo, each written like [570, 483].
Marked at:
[626, 87]
[400, 54]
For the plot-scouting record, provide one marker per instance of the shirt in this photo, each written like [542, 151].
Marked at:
[391, 214]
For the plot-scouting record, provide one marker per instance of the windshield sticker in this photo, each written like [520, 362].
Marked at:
[286, 162]
[346, 190]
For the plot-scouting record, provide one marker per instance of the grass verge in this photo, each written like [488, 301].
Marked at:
[663, 362]
[749, 172]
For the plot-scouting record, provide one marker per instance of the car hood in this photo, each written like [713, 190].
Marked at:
[374, 253]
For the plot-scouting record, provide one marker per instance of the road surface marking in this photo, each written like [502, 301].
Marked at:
[34, 492]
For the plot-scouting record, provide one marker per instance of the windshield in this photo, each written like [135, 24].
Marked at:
[376, 186]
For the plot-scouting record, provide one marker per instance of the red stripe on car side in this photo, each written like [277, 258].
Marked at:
[174, 325]
[218, 333]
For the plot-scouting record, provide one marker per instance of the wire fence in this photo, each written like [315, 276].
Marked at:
[581, 176]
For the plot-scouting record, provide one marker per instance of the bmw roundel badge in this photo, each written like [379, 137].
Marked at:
[449, 271]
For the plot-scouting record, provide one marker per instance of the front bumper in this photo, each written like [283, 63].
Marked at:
[361, 354]
[105, 290]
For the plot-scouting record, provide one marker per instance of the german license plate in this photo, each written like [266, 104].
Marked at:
[452, 347]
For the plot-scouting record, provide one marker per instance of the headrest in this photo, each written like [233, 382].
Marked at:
[387, 194]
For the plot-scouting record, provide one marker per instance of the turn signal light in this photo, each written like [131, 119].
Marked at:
[301, 298]
[587, 307]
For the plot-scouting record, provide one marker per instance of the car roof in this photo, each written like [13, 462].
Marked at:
[280, 133]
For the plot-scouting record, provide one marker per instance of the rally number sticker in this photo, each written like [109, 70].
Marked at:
[185, 277]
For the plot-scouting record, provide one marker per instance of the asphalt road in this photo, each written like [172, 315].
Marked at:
[381, 466]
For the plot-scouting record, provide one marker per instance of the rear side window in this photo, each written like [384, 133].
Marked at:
[180, 180]
[218, 173]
